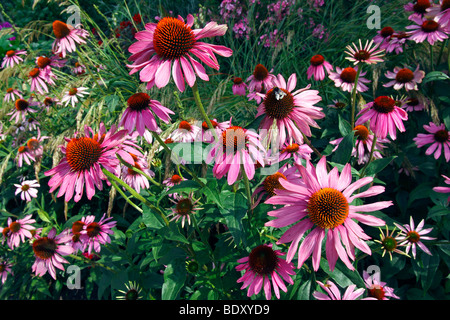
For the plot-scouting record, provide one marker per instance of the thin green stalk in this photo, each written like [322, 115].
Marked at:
[247, 188]
[113, 178]
[138, 171]
[372, 149]
[125, 197]
[431, 58]
[353, 99]
[202, 109]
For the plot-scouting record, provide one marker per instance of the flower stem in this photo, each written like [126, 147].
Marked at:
[431, 58]
[247, 188]
[372, 150]
[201, 109]
[353, 98]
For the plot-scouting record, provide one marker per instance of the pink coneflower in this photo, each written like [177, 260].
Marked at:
[76, 240]
[429, 29]
[292, 111]
[296, 151]
[49, 251]
[404, 78]
[272, 183]
[443, 189]
[66, 38]
[439, 138]
[323, 206]
[369, 54]
[95, 234]
[166, 48]
[27, 189]
[363, 145]
[71, 96]
[139, 114]
[12, 57]
[207, 134]
[236, 147]
[378, 289]
[397, 42]
[18, 230]
[21, 108]
[384, 36]
[442, 12]
[78, 68]
[12, 95]
[317, 67]
[34, 145]
[346, 78]
[412, 236]
[186, 132]
[412, 103]
[44, 65]
[49, 102]
[31, 124]
[135, 179]
[389, 243]
[384, 116]
[332, 292]
[5, 269]
[185, 206]
[24, 154]
[85, 156]
[171, 181]
[261, 80]
[239, 87]
[263, 269]
[418, 8]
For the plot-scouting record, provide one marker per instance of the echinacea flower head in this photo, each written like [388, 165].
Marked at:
[427, 29]
[442, 12]
[293, 112]
[413, 103]
[296, 151]
[13, 57]
[21, 108]
[265, 269]
[322, 205]
[370, 53]
[412, 236]
[135, 179]
[185, 206]
[27, 189]
[67, 37]
[72, 95]
[236, 147]
[389, 243]
[18, 230]
[404, 78]
[12, 95]
[167, 48]
[239, 87]
[346, 79]
[332, 292]
[132, 292]
[187, 131]
[378, 289]
[139, 114]
[84, 157]
[363, 145]
[318, 66]
[384, 35]
[38, 81]
[49, 251]
[439, 139]
[95, 234]
[385, 117]
[443, 189]
[418, 8]
[207, 134]
[24, 154]
[261, 79]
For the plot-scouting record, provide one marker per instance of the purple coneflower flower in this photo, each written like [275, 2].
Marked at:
[439, 138]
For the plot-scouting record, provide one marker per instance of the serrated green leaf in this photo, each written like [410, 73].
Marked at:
[344, 151]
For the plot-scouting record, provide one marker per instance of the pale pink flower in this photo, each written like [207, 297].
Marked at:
[207, 134]
[439, 138]
[71, 96]
[239, 87]
[322, 205]
[21, 108]
[67, 37]
[49, 251]
[384, 116]
[27, 189]
[95, 234]
[24, 154]
[18, 230]
[236, 147]
[171, 181]
[12, 95]
[139, 114]
[5, 269]
[165, 49]
[443, 189]
[185, 206]
[369, 54]
[186, 132]
[418, 8]
[332, 292]
[412, 236]
[263, 269]
[413, 103]
[346, 78]
[261, 80]
[427, 29]
[13, 57]
[378, 289]
[404, 78]
[293, 111]
[317, 67]
[296, 151]
[135, 179]
[85, 156]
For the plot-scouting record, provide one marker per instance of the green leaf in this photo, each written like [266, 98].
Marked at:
[435, 76]
[184, 186]
[344, 151]
[233, 210]
[342, 275]
[344, 126]
[43, 216]
[378, 165]
[174, 278]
